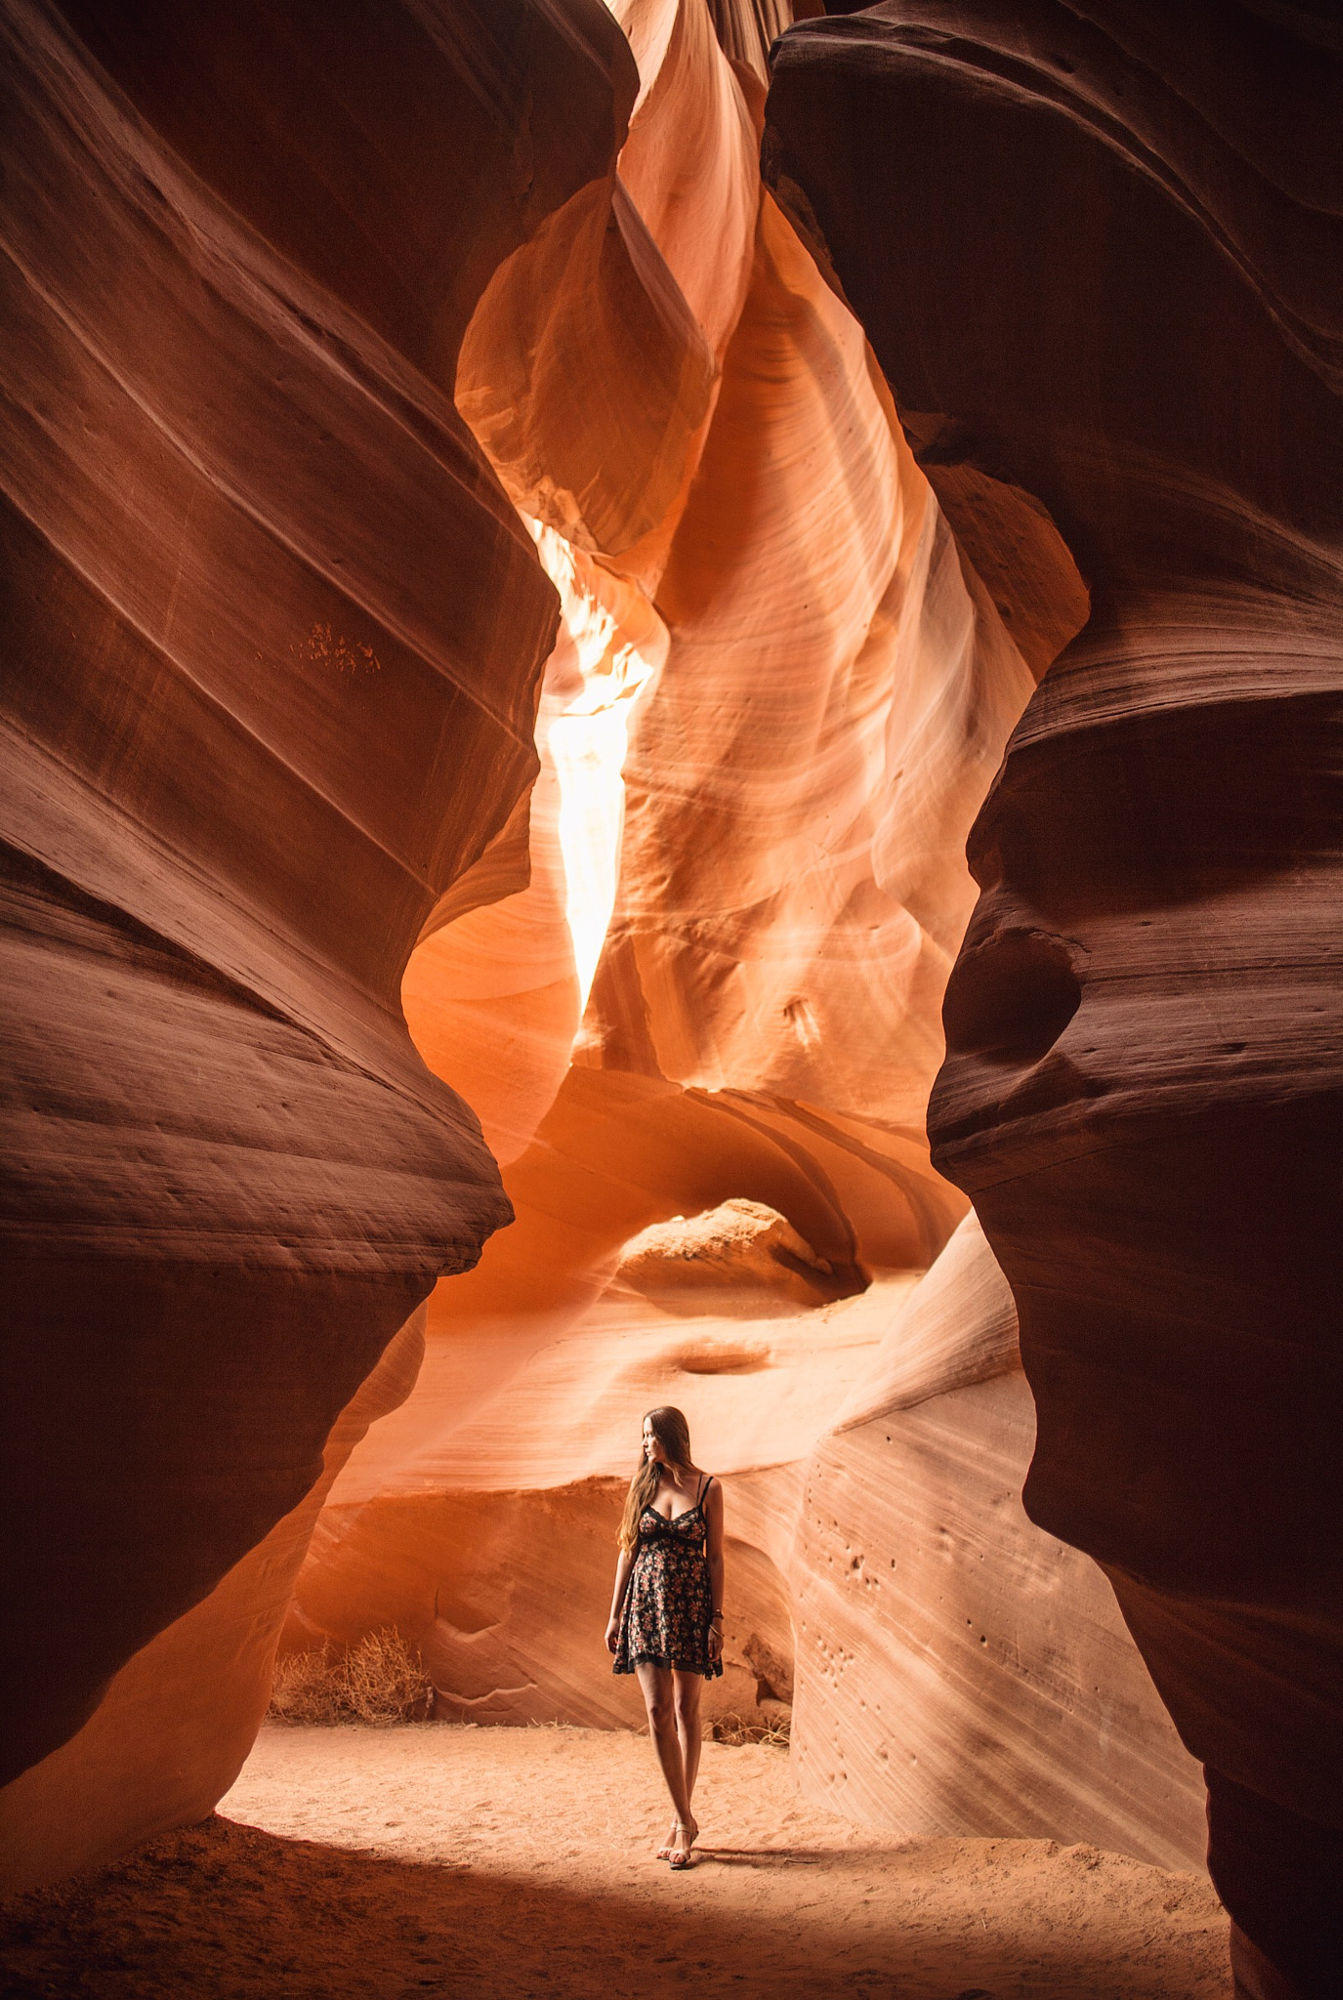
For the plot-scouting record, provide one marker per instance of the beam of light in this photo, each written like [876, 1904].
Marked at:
[612, 645]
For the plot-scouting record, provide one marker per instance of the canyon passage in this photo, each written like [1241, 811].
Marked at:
[673, 738]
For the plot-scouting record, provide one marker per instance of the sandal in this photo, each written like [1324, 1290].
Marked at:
[680, 1856]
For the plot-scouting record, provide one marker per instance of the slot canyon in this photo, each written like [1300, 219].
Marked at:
[672, 736]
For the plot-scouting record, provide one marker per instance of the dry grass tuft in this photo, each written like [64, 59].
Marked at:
[380, 1680]
[735, 1729]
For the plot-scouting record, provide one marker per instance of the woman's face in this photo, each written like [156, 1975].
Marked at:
[654, 1449]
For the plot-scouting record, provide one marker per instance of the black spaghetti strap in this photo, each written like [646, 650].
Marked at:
[703, 1487]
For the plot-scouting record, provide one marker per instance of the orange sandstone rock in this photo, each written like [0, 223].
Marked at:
[832, 688]
[176, 1722]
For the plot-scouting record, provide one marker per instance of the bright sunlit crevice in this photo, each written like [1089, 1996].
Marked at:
[610, 647]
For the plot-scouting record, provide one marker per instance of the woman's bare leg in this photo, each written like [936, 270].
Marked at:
[688, 1689]
[656, 1683]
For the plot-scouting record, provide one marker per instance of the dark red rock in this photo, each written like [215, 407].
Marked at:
[1098, 251]
[274, 637]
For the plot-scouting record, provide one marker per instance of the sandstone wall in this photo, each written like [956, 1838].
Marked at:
[175, 1724]
[957, 1667]
[275, 635]
[1114, 288]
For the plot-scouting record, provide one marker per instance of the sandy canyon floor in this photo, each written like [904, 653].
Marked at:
[519, 1862]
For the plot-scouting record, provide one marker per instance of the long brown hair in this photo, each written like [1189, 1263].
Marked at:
[673, 1433]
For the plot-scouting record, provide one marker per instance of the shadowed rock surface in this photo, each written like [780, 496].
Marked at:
[1097, 252]
[274, 641]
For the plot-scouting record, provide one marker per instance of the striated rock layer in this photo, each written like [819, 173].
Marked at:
[175, 1724]
[1096, 250]
[957, 1666]
[275, 636]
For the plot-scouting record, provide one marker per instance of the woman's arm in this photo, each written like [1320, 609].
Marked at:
[713, 1521]
[623, 1568]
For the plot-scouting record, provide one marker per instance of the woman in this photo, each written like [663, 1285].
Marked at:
[666, 1621]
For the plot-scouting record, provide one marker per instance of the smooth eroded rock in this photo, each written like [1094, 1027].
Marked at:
[1097, 254]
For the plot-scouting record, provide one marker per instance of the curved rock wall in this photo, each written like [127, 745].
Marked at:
[174, 1725]
[957, 1667]
[275, 637]
[1096, 250]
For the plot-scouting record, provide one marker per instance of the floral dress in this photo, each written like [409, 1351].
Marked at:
[665, 1616]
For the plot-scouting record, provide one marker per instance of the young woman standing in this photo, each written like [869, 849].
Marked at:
[666, 1622]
